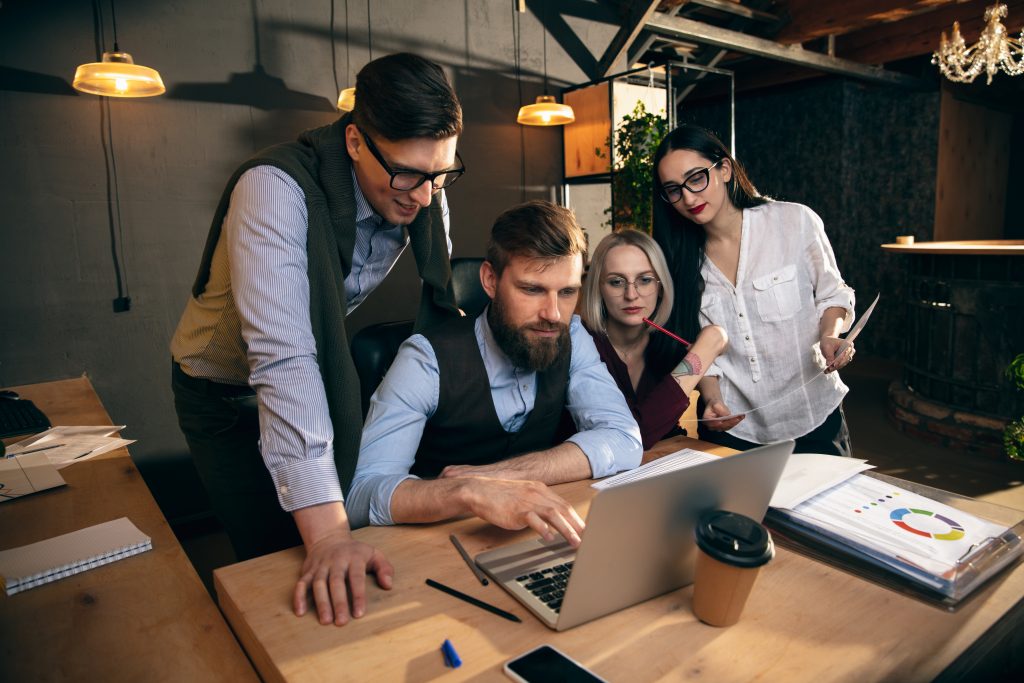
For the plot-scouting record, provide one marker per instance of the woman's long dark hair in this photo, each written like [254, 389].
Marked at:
[682, 240]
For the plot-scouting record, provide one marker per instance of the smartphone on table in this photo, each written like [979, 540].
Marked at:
[545, 664]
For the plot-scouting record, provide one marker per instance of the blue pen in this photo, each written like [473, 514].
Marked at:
[451, 657]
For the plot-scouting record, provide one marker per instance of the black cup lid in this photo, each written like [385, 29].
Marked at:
[734, 539]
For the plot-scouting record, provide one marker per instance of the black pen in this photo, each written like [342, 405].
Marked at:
[473, 601]
[465, 556]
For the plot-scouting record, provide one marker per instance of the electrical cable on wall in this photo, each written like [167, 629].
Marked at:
[516, 34]
[334, 62]
[116, 225]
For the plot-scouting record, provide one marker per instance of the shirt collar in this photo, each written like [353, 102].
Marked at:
[364, 211]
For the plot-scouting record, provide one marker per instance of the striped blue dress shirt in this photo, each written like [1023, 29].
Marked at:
[265, 231]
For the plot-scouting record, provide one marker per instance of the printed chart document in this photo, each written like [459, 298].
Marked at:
[918, 536]
[62, 556]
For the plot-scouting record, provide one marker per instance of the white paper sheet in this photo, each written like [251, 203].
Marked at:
[808, 474]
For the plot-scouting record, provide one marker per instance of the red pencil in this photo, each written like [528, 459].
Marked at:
[662, 329]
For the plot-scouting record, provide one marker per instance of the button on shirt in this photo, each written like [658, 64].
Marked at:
[786, 278]
[608, 435]
[265, 231]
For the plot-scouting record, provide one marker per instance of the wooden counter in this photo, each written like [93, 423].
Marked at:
[974, 247]
[147, 617]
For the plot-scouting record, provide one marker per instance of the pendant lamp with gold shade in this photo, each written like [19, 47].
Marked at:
[545, 111]
[117, 75]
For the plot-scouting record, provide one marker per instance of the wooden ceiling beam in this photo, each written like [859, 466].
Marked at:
[810, 19]
[633, 22]
[919, 35]
[677, 27]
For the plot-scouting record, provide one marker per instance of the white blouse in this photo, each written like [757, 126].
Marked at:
[787, 277]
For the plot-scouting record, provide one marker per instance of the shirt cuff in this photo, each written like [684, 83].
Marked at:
[845, 301]
[380, 501]
[609, 451]
[303, 483]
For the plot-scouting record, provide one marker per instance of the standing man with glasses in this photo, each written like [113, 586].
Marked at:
[303, 233]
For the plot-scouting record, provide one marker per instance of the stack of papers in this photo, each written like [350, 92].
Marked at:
[669, 463]
[65, 446]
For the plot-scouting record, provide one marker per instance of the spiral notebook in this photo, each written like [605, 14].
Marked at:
[62, 556]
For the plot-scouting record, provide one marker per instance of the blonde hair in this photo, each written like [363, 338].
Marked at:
[592, 308]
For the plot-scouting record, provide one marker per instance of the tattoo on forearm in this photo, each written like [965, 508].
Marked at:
[690, 365]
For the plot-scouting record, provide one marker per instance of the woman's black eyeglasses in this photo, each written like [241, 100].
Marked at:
[410, 180]
[697, 181]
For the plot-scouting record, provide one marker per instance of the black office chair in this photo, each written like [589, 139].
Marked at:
[374, 347]
[373, 350]
[469, 293]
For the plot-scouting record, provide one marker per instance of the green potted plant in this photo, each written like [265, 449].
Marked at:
[636, 139]
[1013, 435]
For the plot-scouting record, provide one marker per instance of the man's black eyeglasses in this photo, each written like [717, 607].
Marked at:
[697, 181]
[410, 180]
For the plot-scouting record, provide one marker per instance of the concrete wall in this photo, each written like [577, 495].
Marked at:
[174, 153]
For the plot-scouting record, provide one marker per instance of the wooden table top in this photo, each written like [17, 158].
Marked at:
[805, 621]
[146, 617]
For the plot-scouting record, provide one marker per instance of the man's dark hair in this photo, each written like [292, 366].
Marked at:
[405, 96]
[536, 229]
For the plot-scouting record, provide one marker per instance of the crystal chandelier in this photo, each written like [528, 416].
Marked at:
[994, 50]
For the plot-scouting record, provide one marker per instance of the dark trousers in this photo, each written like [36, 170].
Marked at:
[831, 437]
[223, 435]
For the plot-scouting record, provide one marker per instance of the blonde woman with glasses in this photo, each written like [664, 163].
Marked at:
[629, 281]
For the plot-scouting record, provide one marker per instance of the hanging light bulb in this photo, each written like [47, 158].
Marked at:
[118, 76]
[545, 112]
[347, 99]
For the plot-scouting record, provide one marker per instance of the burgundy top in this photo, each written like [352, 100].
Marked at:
[657, 403]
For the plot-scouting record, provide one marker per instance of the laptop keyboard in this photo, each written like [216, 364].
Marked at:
[20, 417]
[548, 584]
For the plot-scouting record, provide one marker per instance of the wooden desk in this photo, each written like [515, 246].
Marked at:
[805, 621]
[147, 617]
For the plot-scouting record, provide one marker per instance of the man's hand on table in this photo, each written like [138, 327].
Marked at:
[517, 504]
[336, 566]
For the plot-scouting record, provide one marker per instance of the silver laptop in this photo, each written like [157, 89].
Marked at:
[639, 541]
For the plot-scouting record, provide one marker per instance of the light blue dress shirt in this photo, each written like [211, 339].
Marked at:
[409, 394]
[266, 228]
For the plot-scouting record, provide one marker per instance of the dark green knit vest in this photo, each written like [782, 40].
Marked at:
[320, 165]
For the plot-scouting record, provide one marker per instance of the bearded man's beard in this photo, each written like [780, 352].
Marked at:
[537, 354]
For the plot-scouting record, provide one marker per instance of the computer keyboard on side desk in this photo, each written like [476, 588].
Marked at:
[20, 416]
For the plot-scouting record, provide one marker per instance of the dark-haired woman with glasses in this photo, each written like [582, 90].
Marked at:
[765, 271]
[628, 281]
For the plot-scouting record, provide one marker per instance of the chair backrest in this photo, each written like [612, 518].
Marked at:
[374, 347]
[469, 293]
[373, 350]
